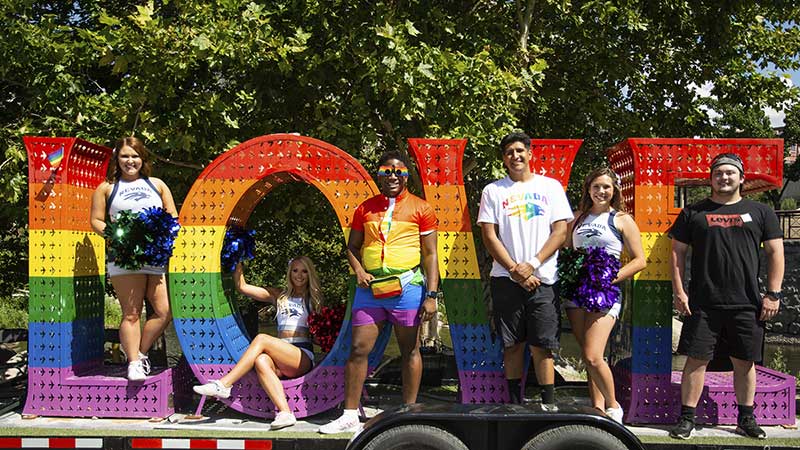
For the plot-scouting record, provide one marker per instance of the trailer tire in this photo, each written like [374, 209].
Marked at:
[575, 437]
[417, 437]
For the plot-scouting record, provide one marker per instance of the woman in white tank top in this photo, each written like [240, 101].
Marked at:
[131, 188]
[601, 222]
[291, 353]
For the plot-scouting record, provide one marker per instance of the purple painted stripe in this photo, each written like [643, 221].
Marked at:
[483, 386]
[655, 398]
[104, 392]
[306, 396]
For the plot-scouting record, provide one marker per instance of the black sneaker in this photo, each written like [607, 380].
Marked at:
[748, 427]
[683, 430]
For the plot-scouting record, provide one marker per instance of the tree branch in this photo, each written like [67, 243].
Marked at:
[179, 163]
[524, 17]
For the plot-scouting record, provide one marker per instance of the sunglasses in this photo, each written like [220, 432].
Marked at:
[387, 171]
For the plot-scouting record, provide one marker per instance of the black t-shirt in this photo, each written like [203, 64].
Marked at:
[725, 240]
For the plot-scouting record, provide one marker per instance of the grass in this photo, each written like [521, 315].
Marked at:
[11, 316]
[722, 441]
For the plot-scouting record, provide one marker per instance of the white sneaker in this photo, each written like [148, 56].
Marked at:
[213, 388]
[136, 371]
[615, 414]
[344, 424]
[145, 363]
[549, 407]
[282, 420]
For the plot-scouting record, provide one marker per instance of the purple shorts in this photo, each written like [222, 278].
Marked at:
[402, 310]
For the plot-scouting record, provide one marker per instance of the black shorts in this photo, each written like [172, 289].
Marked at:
[741, 328]
[522, 316]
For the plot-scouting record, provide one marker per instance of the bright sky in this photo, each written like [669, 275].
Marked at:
[776, 117]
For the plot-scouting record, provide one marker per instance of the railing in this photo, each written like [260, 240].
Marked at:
[790, 223]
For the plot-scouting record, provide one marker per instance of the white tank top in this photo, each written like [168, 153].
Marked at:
[292, 315]
[133, 196]
[598, 231]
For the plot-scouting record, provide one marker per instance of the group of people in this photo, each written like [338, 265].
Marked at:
[525, 218]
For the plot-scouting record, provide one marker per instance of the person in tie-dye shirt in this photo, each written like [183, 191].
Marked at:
[391, 234]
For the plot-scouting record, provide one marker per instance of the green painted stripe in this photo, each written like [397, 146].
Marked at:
[64, 299]
[198, 296]
[463, 299]
[651, 303]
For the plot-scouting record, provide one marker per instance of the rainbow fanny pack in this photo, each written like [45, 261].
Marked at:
[391, 286]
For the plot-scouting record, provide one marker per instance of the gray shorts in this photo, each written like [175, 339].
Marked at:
[113, 270]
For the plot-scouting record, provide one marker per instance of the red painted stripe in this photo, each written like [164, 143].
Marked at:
[13, 442]
[62, 442]
[145, 443]
[263, 445]
[203, 443]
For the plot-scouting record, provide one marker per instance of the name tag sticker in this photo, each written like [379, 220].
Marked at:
[746, 217]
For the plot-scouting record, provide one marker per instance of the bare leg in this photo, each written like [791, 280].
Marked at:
[408, 341]
[130, 290]
[543, 363]
[512, 361]
[162, 315]
[694, 375]
[597, 327]
[744, 381]
[289, 359]
[576, 318]
[268, 377]
[355, 370]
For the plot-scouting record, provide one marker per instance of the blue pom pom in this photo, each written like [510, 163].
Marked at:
[162, 229]
[239, 245]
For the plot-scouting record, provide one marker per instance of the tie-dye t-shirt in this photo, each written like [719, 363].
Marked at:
[392, 228]
[523, 212]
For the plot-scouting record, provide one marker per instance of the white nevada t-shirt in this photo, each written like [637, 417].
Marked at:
[523, 212]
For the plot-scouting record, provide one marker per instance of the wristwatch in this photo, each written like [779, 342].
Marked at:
[777, 295]
[435, 294]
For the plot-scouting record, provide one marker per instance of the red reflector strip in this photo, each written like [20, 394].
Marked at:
[10, 442]
[145, 443]
[62, 443]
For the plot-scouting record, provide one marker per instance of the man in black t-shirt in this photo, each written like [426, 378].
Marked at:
[725, 232]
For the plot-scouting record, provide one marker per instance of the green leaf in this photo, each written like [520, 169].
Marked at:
[202, 42]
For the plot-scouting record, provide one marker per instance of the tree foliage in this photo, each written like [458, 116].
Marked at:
[195, 78]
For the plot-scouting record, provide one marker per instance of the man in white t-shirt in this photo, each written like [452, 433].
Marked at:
[523, 219]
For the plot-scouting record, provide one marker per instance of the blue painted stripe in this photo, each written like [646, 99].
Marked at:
[221, 341]
[64, 344]
[475, 349]
[651, 350]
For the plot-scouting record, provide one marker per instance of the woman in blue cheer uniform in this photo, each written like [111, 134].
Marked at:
[291, 354]
[131, 188]
[601, 222]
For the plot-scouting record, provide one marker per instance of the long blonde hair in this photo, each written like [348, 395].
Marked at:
[313, 293]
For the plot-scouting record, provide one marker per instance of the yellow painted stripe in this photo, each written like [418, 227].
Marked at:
[65, 253]
[657, 248]
[197, 249]
[457, 256]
